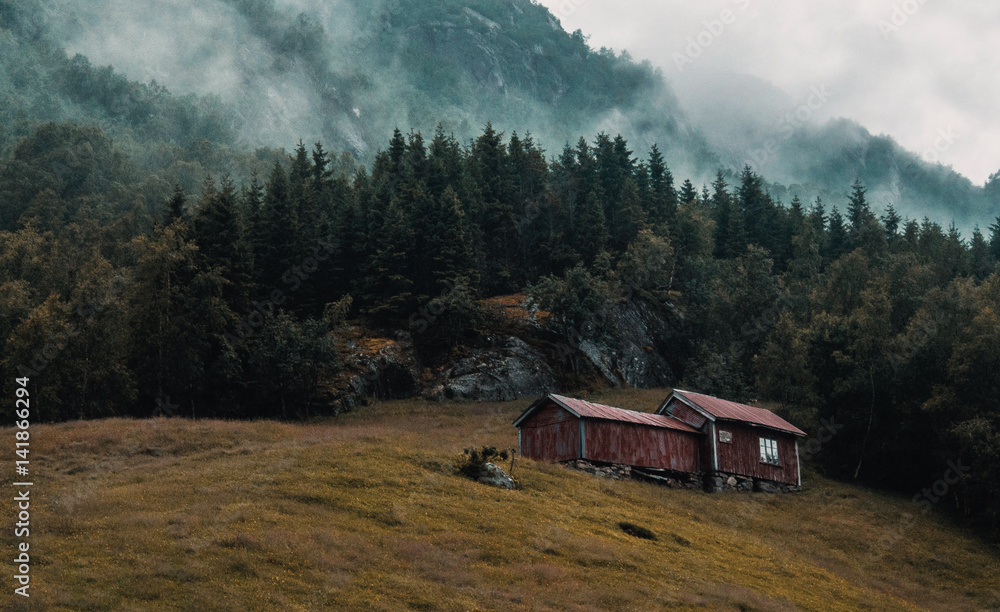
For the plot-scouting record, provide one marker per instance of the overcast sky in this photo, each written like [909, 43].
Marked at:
[926, 72]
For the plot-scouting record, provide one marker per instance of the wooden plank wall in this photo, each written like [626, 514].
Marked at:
[742, 455]
[687, 414]
[641, 446]
[551, 434]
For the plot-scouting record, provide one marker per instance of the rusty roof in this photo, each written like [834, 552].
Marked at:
[588, 410]
[724, 409]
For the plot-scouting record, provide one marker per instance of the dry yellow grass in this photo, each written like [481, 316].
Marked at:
[364, 513]
[514, 309]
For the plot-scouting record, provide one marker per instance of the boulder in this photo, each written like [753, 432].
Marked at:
[508, 370]
[495, 476]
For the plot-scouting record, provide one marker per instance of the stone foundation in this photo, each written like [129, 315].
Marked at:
[617, 471]
[614, 471]
[713, 482]
[716, 482]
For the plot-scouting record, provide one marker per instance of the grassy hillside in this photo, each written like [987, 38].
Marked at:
[364, 513]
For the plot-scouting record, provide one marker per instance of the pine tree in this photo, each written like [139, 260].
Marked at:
[730, 240]
[320, 167]
[956, 262]
[451, 252]
[445, 163]
[688, 193]
[388, 281]
[663, 197]
[911, 234]
[168, 340]
[305, 200]
[279, 231]
[396, 158]
[358, 220]
[859, 214]
[760, 219]
[300, 169]
[416, 159]
[891, 220]
[981, 262]
[838, 241]
[253, 199]
[995, 240]
[222, 243]
[796, 216]
[495, 213]
[251, 209]
[629, 219]
[591, 229]
[175, 206]
[817, 216]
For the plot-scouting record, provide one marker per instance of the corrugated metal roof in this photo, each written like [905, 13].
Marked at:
[588, 410]
[724, 409]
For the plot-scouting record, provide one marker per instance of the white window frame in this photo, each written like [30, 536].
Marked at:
[769, 451]
[726, 437]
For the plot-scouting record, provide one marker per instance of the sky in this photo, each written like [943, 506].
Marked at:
[922, 71]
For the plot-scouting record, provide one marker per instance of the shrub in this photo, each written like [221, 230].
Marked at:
[473, 462]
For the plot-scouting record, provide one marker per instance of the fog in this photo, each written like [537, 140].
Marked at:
[922, 72]
[748, 83]
[307, 69]
[230, 49]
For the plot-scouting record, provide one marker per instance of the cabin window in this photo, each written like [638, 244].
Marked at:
[769, 451]
[725, 436]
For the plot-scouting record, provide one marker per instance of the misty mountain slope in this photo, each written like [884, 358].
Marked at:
[780, 139]
[346, 72]
[269, 72]
[39, 82]
[838, 151]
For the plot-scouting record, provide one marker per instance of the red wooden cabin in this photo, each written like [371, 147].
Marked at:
[741, 440]
[557, 428]
[690, 432]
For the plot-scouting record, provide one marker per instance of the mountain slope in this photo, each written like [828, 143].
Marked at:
[780, 139]
[365, 513]
[347, 72]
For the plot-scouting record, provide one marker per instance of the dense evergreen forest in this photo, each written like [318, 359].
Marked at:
[223, 301]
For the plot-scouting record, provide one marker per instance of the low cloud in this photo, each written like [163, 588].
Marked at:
[906, 68]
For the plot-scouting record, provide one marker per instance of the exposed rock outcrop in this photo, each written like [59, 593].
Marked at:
[509, 370]
[381, 369]
[529, 359]
[633, 352]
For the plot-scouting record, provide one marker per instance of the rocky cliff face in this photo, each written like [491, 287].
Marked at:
[527, 360]
[636, 355]
[506, 370]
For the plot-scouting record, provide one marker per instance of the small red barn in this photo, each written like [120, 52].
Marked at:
[740, 440]
[557, 428]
